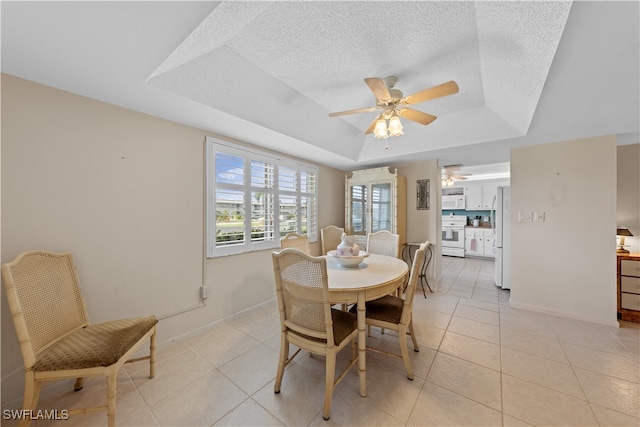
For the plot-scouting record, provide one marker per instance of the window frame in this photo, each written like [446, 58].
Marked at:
[213, 146]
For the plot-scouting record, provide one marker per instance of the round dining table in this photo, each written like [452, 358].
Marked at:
[376, 276]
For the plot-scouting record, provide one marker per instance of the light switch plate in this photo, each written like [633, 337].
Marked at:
[538, 216]
[524, 216]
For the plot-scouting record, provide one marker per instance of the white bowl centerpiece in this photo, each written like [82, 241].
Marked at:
[350, 261]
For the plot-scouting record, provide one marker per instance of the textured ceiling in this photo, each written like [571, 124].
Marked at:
[287, 65]
[269, 73]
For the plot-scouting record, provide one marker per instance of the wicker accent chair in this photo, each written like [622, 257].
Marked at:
[331, 237]
[395, 313]
[56, 339]
[298, 241]
[383, 242]
[307, 319]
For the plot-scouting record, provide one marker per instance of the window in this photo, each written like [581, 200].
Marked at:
[380, 207]
[254, 198]
[359, 209]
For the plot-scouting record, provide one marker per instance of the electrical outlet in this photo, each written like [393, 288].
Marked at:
[538, 216]
[204, 292]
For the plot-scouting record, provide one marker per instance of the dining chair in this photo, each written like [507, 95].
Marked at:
[331, 238]
[298, 241]
[307, 319]
[395, 313]
[56, 339]
[383, 242]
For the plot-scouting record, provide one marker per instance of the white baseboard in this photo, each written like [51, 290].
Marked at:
[13, 381]
[209, 326]
[565, 314]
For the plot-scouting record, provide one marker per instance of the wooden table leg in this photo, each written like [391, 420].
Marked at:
[362, 345]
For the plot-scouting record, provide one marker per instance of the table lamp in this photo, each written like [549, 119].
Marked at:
[622, 232]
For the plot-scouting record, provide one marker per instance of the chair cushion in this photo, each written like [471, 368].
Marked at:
[343, 324]
[387, 309]
[102, 344]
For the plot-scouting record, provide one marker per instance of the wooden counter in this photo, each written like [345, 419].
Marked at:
[630, 275]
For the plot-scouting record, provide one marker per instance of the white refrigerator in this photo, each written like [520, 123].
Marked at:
[502, 229]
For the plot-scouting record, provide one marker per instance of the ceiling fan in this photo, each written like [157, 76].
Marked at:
[449, 175]
[395, 105]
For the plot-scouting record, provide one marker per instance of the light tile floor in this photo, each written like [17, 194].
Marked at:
[481, 362]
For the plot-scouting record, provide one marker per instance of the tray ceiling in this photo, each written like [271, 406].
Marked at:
[287, 65]
[269, 73]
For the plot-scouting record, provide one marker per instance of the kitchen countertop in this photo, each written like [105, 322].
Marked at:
[487, 226]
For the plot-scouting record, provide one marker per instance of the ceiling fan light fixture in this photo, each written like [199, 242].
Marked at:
[390, 99]
[447, 181]
[380, 131]
[395, 126]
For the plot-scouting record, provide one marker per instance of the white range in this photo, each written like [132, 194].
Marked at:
[453, 234]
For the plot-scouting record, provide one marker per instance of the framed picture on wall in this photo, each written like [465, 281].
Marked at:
[422, 200]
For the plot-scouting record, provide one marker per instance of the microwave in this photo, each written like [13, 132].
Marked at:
[453, 202]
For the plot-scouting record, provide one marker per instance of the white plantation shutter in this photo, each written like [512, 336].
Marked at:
[254, 198]
[262, 199]
[309, 206]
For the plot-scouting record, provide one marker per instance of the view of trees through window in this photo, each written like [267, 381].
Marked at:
[257, 200]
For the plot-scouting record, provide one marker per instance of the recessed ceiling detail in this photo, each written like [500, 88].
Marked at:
[286, 65]
[269, 73]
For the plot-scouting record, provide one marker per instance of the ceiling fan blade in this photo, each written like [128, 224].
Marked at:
[439, 91]
[416, 116]
[452, 167]
[379, 88]
[356, 111]
[371, 126]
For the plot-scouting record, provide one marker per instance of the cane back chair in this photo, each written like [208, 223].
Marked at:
[56, 339]
[298, 241]
[395, 313]
[331, 237]
[307, 319]
[383, 242]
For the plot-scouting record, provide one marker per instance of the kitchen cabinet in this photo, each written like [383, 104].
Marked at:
[629, 287]
[473, 241]
[479, 242]
[473, 196]
[489, 243]
[479, 196]
[489, 192]
[375, 199]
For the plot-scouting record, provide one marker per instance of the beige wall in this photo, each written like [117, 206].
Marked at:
[123, 192]
[567, 264]
[425, 225]
[628, 205]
